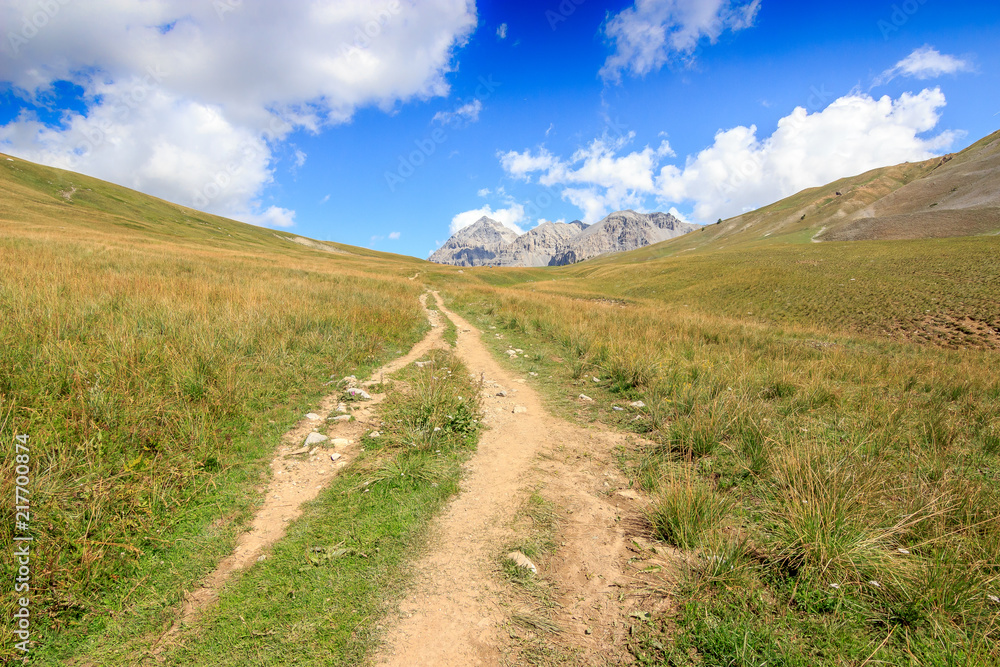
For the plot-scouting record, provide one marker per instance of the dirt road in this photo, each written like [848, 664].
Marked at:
[459, 609]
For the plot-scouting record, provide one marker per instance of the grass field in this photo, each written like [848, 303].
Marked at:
[823, 420]
[834, 475]
[154, 364]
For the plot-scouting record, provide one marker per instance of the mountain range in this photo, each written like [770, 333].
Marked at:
[490, 243]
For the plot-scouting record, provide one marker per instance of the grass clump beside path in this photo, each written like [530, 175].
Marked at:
[318, 597]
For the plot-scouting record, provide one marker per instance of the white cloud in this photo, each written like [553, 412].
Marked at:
[502, 31]
[601, 181]
[272, 217]
[509, 217]
[394, 236]
[181, 97]
[484, 192]
[856, 133]
[300, 158]
[677, 214]
[740, 171]
[924, 63]
[324, 199]
[649, 34]
[467, 113]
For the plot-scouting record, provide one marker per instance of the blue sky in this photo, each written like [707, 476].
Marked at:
[390, 124]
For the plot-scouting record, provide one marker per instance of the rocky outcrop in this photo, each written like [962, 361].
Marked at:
[619, 232]
[538, 246]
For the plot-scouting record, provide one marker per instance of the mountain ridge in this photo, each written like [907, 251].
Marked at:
[489, 243]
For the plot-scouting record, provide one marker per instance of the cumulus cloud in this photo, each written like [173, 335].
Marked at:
[597, 179]
[856, 133]
[502, 31]
[182, 101]
[925, 63]
[394, 236]
[741, 171]
[649, 34]
[509, 217]
[463, 115]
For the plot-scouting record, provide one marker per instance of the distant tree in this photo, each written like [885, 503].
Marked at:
[719, 221]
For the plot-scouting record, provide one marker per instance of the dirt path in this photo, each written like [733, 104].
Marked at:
[298, 475]
[459, 604]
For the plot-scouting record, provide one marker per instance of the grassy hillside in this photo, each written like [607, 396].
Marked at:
[154, 356]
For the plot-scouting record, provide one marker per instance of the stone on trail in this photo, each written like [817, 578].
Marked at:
[335, 457]
[637, 404]
[421, 364]
[313, 416]
[519, 409]
[315, 439]
[341, 418]
[519, 559]
[341, 442]
[359, 393]
[297, 452]
[586, 399]
[502, 394]
[341, 407]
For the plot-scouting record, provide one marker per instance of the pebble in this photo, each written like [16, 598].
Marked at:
[360, 393]
[521, 560]
[315, 439]
[374, 434]
[637, 404]
[502, 394]
[586, 399]
[617, 409]
[341, 442]
[335, 457]
[519, 409]
[313, 416]
[341, 418]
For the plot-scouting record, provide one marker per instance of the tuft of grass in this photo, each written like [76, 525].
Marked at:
[685, 511]
[824, 521]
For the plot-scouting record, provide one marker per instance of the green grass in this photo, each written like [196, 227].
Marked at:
[792, 457]
[320, 593]
[822, 423]
[155, 372]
